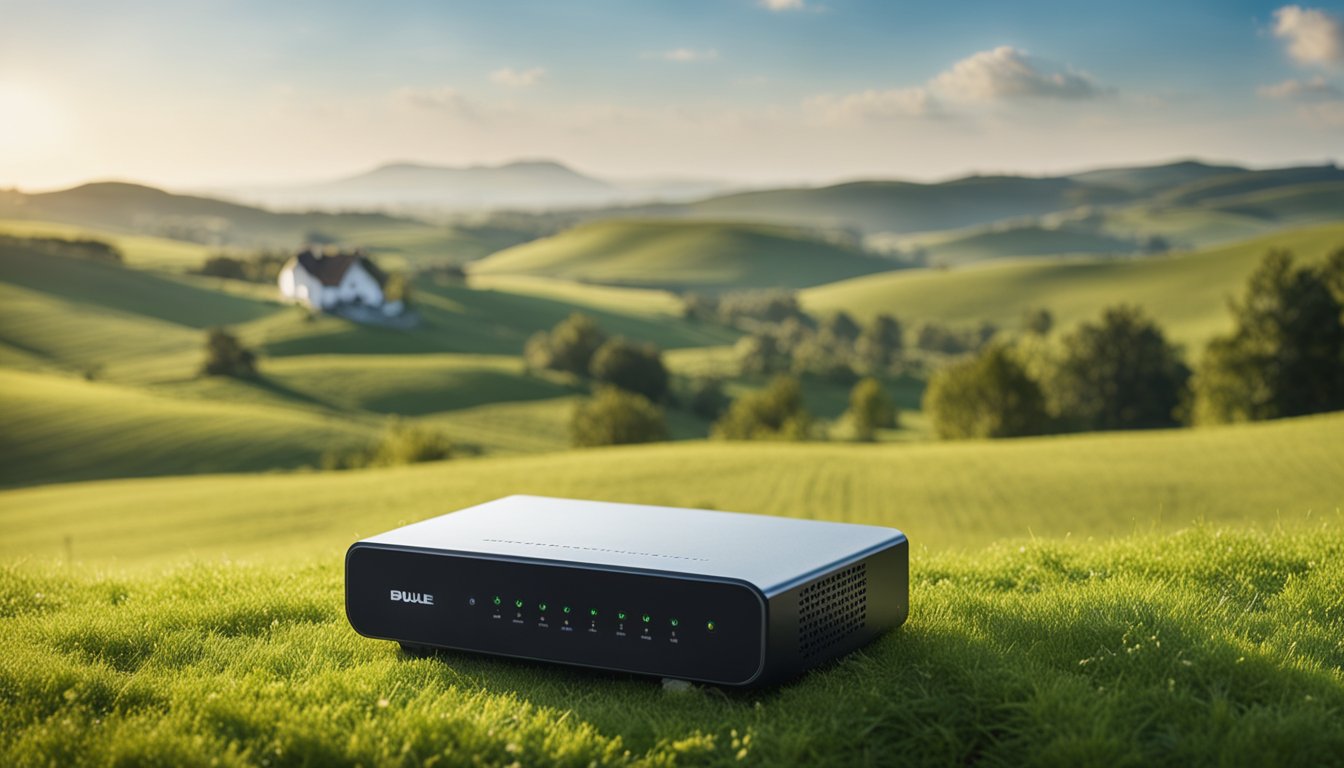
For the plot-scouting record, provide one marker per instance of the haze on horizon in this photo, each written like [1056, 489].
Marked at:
[209, 93]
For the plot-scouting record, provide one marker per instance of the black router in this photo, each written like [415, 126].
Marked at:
[716, 597]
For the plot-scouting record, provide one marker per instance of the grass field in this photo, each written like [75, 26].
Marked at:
[675, 254]
[1186, 293]
[945, 495]
[1204, 648]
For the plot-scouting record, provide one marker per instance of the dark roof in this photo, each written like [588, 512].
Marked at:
[330, 268]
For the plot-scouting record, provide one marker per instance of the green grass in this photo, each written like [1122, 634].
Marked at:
[677, 254]
[957, 248]
[1186, 293]
[1208, 647]
[136, 250]
[60, 429]
[945, 495]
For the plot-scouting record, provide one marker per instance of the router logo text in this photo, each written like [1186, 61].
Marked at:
[412, 597]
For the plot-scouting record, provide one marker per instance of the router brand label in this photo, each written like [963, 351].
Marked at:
[412, 597]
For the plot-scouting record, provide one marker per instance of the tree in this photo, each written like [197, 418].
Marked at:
[989, 395]
[615, 417]
[569, 346]
[841, 328]
[879, 344]
[870, 409]
[226, 356]
[1285, 356]
[1120, 373]
[707, 399]
[774, 413]
[633, 367]
[1038, 321]
[760, 353]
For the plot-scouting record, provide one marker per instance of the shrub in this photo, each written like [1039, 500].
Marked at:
[1038, 321]
[1285, 356]
[401, 443]
[880, 344]
[225, 355]
[633, 367]
[707, 399]
[989, 395]
[615, 417]
[569, 346]
[870, 409]
[1120, 373]
[774, 413]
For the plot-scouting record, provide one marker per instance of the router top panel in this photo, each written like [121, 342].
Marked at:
[770, 552]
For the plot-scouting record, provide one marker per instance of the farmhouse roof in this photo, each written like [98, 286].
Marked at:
[330, 268]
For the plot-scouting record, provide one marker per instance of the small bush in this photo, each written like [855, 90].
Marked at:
[400, 444]
[569, 346]
[615, 417]
[989, 395]
[870, 409]
[225, 355]
[632, 367]
[774, 413]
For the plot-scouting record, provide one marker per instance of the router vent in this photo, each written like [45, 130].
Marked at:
[832, 608]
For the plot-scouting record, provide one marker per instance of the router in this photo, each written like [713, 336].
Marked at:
[715, 597]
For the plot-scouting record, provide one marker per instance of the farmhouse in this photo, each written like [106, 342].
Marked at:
[333, 282]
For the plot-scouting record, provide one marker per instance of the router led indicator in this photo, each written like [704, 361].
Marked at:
[621, 615]
[675, 622]
[592, 612]
[496, 600]
[647, 618]
[565, 609]
[709, 625]
[541, 607]
[517, 603]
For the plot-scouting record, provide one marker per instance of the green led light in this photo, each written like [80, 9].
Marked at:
[621, 615]
[646, 618]
[709, 625]
[592, 612]
[566, 609]
[517, 603]
[675, 622]
[497, 601]
[541, 606]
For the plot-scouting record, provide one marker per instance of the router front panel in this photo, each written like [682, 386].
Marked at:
[670, 626]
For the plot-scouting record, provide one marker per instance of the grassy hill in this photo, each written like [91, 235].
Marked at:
[1091, 485]
[674, 254]
[962, 247]
[59, 429]
[1150, 179]
[1186, 292]
[1206, 648]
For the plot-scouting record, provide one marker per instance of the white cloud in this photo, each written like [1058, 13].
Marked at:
[684, 54]
[1317, 89]
[1006, 73]
[1314, 36]
[442, 99]
[782, 5]
[518, 78]
[874, 105]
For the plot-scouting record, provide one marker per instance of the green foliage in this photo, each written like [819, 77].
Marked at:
[636, 368]
[1209, 647]
[569, 346]
[761, 353]
[707, 398]
[262, 267]
[613, 416]
[1119, 373]
[400, 444]
[77, 248]
[989, 395]
[1285, 356]
[840, 327]
[870, 409]
[774, 413]
[225, 355]
[1038, 321]
[880, 344]
[946, 339]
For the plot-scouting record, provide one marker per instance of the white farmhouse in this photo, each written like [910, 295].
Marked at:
[337, 281]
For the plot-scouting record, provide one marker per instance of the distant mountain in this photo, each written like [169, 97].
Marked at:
[526, 185]
[1150, 179]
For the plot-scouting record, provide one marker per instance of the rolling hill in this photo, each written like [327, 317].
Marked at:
[684, 255]
[1187, 293]
[1280, 473]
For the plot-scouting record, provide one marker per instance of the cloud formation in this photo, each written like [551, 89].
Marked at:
[782, 5]
[1314, 90]
[1003, 74]
[1315, 37]
[441, 99]
[518, 78]
[1007, 73]
[684, 55]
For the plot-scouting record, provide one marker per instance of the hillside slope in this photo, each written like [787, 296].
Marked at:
[1205, 648]
[673, 254]
[945, 495]
[1187, 293]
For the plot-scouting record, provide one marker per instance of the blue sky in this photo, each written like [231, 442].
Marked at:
[191, 93]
